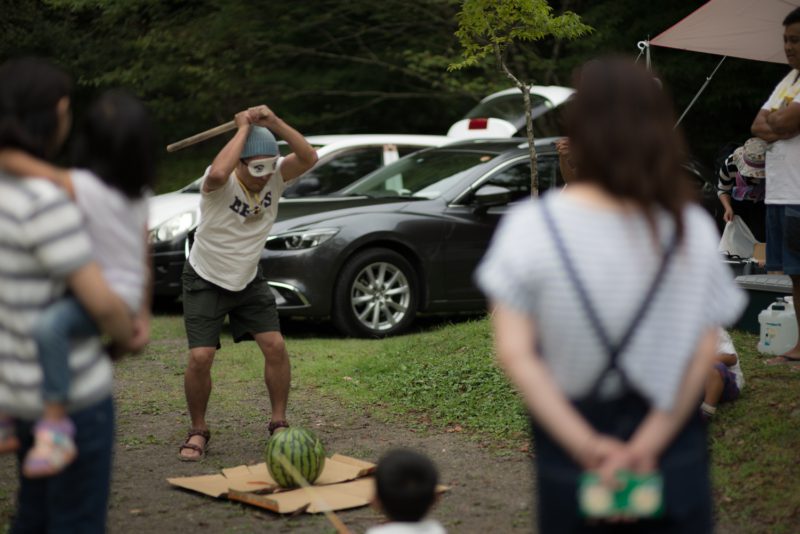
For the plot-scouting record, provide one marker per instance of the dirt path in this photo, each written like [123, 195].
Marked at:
[490, 489]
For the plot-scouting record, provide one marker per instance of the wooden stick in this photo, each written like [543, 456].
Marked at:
[202, 136]
[337, 523]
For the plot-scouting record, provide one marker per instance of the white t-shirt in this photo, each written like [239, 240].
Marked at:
[429, 526]
[230, 236]
[117, 228]
[614, 256]
[725, 346]
[783, 156]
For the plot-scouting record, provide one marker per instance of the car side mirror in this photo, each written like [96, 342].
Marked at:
[489, 196]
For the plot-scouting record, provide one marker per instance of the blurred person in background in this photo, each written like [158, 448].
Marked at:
[607, 299]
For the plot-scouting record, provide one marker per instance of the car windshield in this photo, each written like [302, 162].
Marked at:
[426, 175]
[510, 108]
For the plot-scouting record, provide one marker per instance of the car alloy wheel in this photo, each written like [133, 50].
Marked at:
[377, 294]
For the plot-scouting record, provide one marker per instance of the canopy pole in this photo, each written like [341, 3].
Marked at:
[703, 88]
[642, 46]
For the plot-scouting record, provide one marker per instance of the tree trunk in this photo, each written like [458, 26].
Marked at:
[526, 98]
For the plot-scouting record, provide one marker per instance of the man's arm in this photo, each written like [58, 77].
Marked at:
[23, 164]
[303, 155]
[105, 307]
[228, 157]
[763, 124]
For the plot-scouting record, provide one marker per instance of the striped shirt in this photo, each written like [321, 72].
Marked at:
[42, 241]
[739, 187]
[615, 258]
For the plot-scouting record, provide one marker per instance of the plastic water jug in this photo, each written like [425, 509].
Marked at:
[778, 327]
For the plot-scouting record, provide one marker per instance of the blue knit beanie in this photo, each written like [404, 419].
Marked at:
[260, 142]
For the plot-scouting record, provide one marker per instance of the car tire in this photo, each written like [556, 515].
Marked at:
[377, 294]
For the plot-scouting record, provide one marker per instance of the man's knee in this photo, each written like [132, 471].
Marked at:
[272, 345]
[201, 358]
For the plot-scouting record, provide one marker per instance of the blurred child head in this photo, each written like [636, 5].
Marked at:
[406, 485]
[116, 142]
[34, 106]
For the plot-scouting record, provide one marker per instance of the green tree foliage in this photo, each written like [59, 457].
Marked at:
[339, 66]
[490, 27]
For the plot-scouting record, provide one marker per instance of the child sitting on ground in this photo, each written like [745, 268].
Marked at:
[405, 491]
[117, 159]
[725, 380]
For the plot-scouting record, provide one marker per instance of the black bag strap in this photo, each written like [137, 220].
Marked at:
[613, 349]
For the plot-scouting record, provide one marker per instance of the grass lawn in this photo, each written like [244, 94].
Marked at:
[444, 379]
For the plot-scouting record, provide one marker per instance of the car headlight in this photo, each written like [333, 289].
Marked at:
[300, 239]
[173, 227]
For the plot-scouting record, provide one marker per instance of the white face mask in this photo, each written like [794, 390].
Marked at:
[262, 166]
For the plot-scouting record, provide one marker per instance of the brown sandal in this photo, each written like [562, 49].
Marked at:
[205, 434]
[275, 425]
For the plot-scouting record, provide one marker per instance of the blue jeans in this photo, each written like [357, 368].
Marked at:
[64, 320]
[783, 238]
[76, 500]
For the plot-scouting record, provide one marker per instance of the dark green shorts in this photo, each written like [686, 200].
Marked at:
[205, 305]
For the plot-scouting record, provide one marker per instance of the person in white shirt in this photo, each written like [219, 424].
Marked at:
[222, 276]
[405, 491]
[778, 123]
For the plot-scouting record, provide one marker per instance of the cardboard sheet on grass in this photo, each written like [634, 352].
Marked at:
[342, 484]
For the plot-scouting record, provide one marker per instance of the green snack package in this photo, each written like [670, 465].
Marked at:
[639, 496]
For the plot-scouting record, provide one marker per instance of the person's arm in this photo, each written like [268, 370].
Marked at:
[727, 359]
[761, 128]
[227, 159]
[514, 339]
[23, 164]
[303, 155]
[660, 427]
[106, 308]
[564, 163]
[141, 323]
[725, 200]
[786, 120]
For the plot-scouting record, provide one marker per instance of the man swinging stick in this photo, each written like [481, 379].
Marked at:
[222, 276]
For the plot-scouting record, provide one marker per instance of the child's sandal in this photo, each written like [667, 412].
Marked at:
[53, 449]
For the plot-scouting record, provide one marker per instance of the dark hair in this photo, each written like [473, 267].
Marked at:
[792, 18]
[406, 485]
[116, 143]
[30, 89]
[623, 139]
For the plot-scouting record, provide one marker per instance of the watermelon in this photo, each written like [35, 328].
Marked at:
[304, 451]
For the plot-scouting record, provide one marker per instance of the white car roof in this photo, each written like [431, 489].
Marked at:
[347, 140]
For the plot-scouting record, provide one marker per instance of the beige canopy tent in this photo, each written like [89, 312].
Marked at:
[749, 29]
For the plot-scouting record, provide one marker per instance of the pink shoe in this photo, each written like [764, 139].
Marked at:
[8, 435]
[53, 449]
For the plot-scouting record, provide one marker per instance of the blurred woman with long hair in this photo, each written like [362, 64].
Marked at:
[606, 302]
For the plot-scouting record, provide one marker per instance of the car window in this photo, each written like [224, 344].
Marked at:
[517, 178]
[405, 150]
[427, 175]
[342, 169]
[509, 107]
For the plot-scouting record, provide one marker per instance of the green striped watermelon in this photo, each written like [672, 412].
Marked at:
[303, 450]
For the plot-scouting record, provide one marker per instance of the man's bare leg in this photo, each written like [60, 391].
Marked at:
[794, 354]
[277, 372]
[197, 386]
